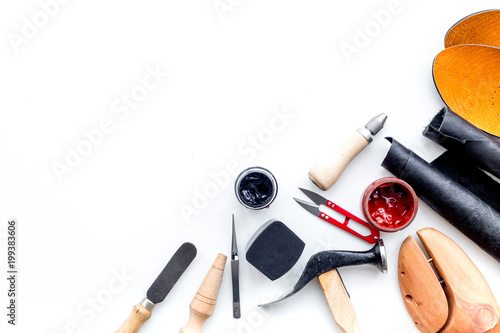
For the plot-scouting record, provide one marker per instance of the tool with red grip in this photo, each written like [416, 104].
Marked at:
[319, 200]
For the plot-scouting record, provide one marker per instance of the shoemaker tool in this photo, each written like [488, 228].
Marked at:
[235, 274]
[275, 249]
[458, 299]
[319, 200]
[328, 171]
[322, 265]
[160, 288]
[331, 282]
[203, 304]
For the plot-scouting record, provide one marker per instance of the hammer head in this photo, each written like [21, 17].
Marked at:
[326, 261]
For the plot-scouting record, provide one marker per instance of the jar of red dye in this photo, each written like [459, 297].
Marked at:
[389, 204]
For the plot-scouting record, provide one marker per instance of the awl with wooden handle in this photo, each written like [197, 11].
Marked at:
[160, 288]
[327, 172]
[203, 304]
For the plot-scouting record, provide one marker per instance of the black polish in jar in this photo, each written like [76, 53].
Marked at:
[256, 188]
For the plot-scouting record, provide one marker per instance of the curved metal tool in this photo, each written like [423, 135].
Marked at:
[325, 261]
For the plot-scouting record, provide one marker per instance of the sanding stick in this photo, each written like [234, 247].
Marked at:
[203, 304]
[159, 289]
[328, 171]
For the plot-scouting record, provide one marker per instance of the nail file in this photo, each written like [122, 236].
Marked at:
[160, 288]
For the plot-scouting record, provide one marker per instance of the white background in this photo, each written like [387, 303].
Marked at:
[119, 209]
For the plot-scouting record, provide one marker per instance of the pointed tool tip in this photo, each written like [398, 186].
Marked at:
[300, 201]
[376, 123]
[382, 118]
[279, 299]
[305, 191]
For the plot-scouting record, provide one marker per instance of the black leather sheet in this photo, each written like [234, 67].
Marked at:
[469, 176]
[456, 134]
[455, 203]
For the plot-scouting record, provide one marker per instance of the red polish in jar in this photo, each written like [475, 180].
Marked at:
[390, 204]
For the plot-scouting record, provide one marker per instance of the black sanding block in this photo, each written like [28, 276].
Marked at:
[274, 249]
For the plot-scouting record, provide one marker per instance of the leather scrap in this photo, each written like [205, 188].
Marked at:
[455, 203]
[469, 176]
[456, 134]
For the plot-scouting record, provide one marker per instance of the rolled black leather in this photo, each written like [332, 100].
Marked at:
[469, 176]
[455, 133]
[459, 206]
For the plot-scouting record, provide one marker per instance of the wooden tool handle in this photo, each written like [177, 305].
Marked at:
[339, 302]
[203, 304]
[327, 172]
[135, 320]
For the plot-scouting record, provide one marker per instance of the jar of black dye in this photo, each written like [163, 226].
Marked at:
[256, 188]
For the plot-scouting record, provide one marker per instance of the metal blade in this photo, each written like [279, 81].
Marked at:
[234, 244]
[311, 208]
[171, 273]
[316, 198]
[303, 281]
[318, 264]
[290, 294]
[235, 275]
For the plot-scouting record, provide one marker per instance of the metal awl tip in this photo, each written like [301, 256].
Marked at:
[234, 243]
[376, 123]
[235, 272]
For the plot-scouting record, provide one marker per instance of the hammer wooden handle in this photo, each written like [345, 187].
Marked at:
[203, 304]
[339, 302]
[327, 172]
[135, 320]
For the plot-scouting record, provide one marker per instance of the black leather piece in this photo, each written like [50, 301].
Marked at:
[469, 176]
[459, 206]
[455, 133]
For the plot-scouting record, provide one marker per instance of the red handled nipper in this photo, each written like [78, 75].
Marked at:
[319, 200]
